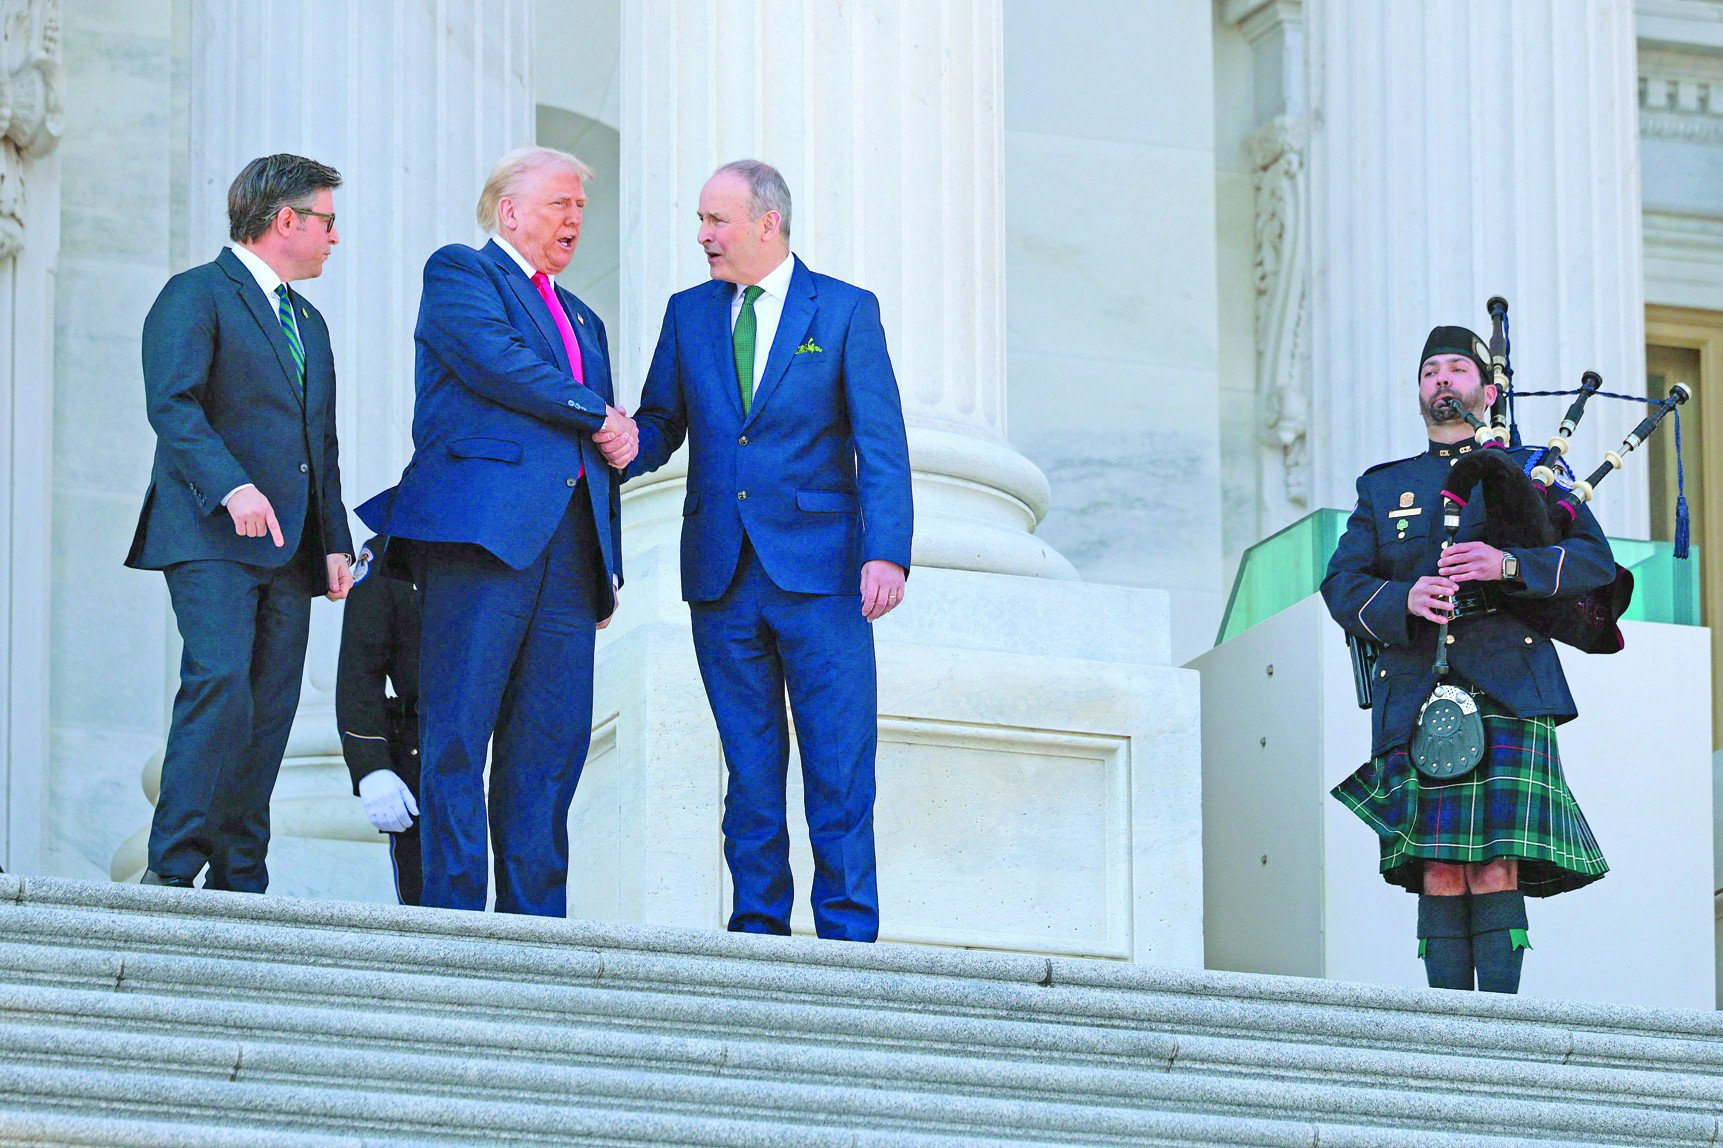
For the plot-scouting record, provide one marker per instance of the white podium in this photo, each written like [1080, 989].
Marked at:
[1290, 876]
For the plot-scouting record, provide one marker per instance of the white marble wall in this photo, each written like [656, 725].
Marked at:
[112, 656]
[1111, 308]
[1425, 203]
[577, 87]
[1243, 520]
[1681, 161]
[30, 128]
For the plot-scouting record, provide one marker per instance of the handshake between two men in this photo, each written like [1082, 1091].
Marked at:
[796, 533]
[619, 439]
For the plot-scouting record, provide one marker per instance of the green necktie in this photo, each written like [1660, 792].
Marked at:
[284, 312]
[742, 341]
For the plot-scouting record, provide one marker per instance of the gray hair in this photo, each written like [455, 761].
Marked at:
[767, 190]
[510, 173]
[269, 183]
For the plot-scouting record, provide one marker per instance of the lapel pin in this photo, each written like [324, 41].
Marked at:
[304, 314]
[579, 318]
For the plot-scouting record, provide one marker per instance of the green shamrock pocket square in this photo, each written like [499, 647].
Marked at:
[809, 348]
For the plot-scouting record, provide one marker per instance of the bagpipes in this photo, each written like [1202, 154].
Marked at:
[1537, 505]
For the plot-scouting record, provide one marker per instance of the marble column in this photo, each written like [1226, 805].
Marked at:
[885, 119]
[1278, 154]
[30, 125]
[412, 103]
[1459, 150]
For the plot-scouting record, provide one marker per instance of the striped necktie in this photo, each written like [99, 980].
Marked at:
[284, 312]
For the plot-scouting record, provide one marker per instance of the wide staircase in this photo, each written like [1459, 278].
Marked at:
[164, 1016]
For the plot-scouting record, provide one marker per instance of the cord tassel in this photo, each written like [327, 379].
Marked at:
[1681, 519]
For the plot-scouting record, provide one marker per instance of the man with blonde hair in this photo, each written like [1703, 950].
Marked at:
[510, 516]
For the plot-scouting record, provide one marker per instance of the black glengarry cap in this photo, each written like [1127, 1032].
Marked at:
[1456, 341]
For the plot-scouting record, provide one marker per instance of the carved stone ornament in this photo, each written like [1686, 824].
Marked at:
[30, 119]
[1282, 276]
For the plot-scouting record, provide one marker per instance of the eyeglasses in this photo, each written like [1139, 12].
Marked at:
[328, 217]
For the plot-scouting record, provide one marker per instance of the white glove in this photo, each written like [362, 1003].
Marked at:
[388, 802]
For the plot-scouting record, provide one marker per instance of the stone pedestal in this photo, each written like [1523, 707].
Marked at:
[1038, 762]
[1292, 876]
[1038, 772]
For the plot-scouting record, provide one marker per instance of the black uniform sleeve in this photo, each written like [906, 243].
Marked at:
[1362, 601]
[1582, 561]
[366, 638]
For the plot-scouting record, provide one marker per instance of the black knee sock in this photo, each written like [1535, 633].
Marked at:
[1499, 939]
[1444, 941]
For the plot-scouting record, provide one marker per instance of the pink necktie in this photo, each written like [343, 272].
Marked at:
[563, 326]
[566, 329]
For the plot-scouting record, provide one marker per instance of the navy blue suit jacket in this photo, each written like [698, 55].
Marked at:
[1377, 561]
[500, 427]
[224, 397]
[821, 457]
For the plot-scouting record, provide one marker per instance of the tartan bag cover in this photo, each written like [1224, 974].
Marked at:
[1516, 803]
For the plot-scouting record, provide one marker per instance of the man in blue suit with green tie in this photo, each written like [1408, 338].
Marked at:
[511, 513]
[795, 537]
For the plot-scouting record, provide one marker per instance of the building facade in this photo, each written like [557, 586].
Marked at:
[1153, 274]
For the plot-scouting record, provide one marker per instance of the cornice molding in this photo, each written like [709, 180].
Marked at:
[1681, 94]
[1689, 238]
[1686, 128]
[1256, 17]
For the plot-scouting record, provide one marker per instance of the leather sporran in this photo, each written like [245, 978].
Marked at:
[1449, 738]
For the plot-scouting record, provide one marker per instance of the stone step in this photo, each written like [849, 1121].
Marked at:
[803, 1045]
[743, 992]
[298, 1045]
[230, 1011]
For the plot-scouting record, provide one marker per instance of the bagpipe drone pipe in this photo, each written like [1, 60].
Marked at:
[1536, 505]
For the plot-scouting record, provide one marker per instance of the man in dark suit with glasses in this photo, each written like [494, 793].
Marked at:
[243, 515]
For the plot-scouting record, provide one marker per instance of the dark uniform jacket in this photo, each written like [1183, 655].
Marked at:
[379, 648]
[1393, 538]
[225, 400]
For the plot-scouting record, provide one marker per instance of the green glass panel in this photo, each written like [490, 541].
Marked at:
[1281, 570]
[1286, 567]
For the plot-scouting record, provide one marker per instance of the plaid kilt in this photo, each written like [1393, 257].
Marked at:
[1516, 803]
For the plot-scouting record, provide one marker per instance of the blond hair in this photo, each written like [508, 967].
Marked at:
[510, 173]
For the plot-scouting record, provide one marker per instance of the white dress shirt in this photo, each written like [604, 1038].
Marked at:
[768, 309]
[520, 260]
[267, 281]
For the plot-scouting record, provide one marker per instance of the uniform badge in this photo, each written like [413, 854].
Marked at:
[1406, 498]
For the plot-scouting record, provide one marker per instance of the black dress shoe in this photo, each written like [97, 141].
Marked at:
[151, 877]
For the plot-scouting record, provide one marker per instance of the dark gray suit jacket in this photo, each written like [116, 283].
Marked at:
[225, 401]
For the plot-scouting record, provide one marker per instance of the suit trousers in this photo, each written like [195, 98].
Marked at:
[508, 653]
[754, 644]
[244, 629]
